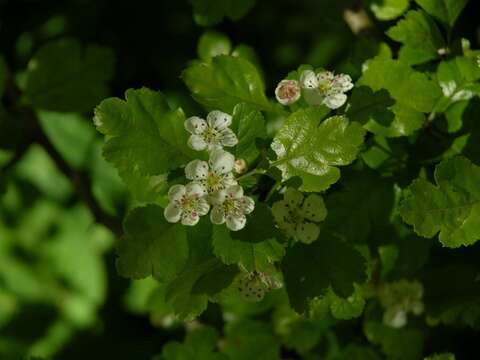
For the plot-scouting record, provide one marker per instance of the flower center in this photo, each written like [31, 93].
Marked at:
[188, 203]
[324, 86]
[230, 207]
[210, 135]
[214, 182]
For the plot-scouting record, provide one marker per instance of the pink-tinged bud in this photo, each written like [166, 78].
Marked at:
[287, 92]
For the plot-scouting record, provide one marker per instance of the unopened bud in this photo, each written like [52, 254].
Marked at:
[287, 92]
[240, 166]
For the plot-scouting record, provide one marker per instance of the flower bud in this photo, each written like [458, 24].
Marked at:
[240, 166]
[287, 92]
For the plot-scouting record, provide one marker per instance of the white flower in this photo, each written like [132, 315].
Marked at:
[214, 133]
[253, 285]
[215, 175]
[449, 89]
[287, 92]
[298, 218]
[230, 207]
[187, 203]
[325, 88]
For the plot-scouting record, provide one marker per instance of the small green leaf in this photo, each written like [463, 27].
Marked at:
[212, 44]
[64, 76]
[212, 12]
[311, 150]
[388, 9]
[420, 37]
[225, 82]
[249, 124]
[443, 356]
[447, 11]
[413, 92]
[452, 207]
[368, 106]
[309, 270]
[216, 280]
[151, 245]
[250, 339]
[199, 344]
[144, 138]
[253, 256]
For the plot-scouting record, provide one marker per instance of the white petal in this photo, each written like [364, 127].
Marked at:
[236, 223]
[196, 142]
[234, 192]
[195, 125]
[314, 208]
[313, 96]
[228, 138]
[172, 213]
[323, 76]
[308, 80]
[218, 197]
[343, 82]
[190, 219]
[229, 180]
[307, 232]
[221, 162]
[280, 211]
[246, 204]
[196, 170]
[202, 207]
[176, 192]
[396, 318]
[293, 197]
[335, 101]
[217, 215]
[195, 189]
[219, 120]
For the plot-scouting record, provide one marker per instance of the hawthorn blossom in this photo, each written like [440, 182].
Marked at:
[325, 88]
[287, 92]
[230, 206]
[254, 285]
[186, 203]
[297, 217]
[213, 133]
[214, 175]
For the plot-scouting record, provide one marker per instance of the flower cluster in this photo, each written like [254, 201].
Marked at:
[399, 298]
[297, 217]
[322, 88]
[254, 285]
[213, 184]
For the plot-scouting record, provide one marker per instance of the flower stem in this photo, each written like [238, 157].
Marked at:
[251, 173]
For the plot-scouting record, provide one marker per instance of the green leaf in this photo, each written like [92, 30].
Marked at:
[64, 76]
[371, 107]
[346, 308]
[188, 292]
[225, 82]
[211, 12]
[311, 150]
[464, 71]
[253, 256]
[372, 198]
[151, 245]
[212, 44]
[397, 344]
[250, 339]
[413, 92]
[143, 136]
[309, 270]
[447, 11]
[199, 344]
[420, 37]
[388, 9]
[216, 280]
[452, 207]
[249, 124]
